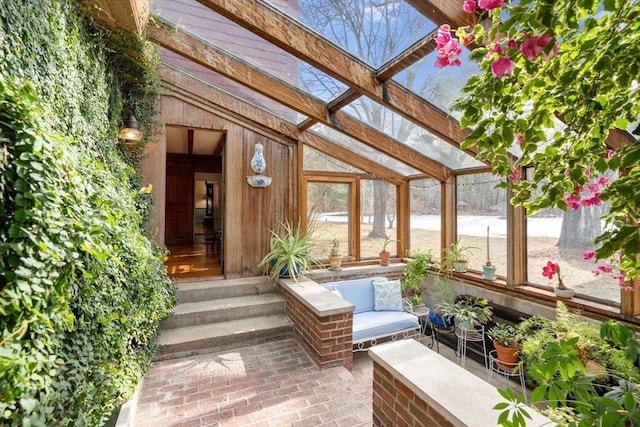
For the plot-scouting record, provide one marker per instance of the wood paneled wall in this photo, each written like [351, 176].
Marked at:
[249, 213]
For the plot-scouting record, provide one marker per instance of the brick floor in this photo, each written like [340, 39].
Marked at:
[272, 384]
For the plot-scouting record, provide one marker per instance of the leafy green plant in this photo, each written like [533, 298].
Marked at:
[456, 252]
[506, 335]
[468, 311]
[82, 288]
[387, 241]
[289, 253]
[414, 274]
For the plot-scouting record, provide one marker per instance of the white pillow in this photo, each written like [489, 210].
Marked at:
[387, 295]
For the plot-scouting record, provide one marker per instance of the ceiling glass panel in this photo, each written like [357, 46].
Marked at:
[315, 160]
[230, 86]
[373, 30]
[439, 86]
[207, 25]
[410, 134]
[364, 150]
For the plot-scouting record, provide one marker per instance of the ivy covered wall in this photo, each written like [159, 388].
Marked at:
[82, 288]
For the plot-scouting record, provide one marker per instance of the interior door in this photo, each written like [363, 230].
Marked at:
[179, 205]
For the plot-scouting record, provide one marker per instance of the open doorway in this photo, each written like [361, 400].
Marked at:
[194, 207]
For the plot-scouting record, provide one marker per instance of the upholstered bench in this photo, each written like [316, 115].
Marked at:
[379, 310]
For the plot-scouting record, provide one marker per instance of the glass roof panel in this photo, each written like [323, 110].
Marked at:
[314, 160]
[231, 87]
[374, 31]
[364, 150]
[439, 86]
[227, 35]
[408, 133]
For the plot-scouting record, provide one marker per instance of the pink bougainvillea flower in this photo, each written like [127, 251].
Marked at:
[496, 48]
[550, 269]
[443, 37]
[469, 6]
[490, 4]
[449, 54]
[512, 44]
[620, 278]
[605, 268]
[589, 254]
[533, 46]
[502, 66]
[467, 40]
[573, 200]
[519, 139]
[611, 153]
[514, 175]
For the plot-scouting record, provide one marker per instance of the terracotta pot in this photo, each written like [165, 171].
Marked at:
[507, 355]
[335, 262]
[384, 258]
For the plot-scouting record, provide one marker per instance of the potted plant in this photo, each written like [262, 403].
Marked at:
[560, 289]
[468, 312]
[507, 340]
[488, 270]
[456, 257]
[335, 259]
[414, 273]
[384, 254]
[290, 253]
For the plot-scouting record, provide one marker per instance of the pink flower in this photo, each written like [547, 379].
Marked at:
[550, 269]
[611, 153]
[519, 139]
[467, 40]
[533, 46]
[449, 54]
[469, 6]
[444, 36]
[620, 278]
[573, 200]
[605, 268]
[496, 48]
[512, 44]
[490, 4]
[502, 66]
[589, 254]
[514, 175]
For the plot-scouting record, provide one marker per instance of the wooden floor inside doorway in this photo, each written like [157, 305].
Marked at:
[193, 261]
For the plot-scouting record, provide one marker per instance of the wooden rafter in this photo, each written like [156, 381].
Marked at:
[199, 89]
[410, 56]
[235, 69]
[444, 12]
[284, 32]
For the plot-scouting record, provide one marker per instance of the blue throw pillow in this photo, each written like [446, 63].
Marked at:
[387, 295]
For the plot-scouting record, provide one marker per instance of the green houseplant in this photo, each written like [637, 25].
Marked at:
[335, 259]
[468, 312]
[384, 254]
[414, 273]
[507, 340]
[456, 257]
[290, 252]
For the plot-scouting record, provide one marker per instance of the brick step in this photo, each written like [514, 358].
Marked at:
[225, 309]
[182, 342]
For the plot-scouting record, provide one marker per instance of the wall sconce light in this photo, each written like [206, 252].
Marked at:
[130, 133]
[258, 165]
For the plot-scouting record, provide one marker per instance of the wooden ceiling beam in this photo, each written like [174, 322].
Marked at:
[215, 59]
[198, 89]
[410, 56]
[279, 29]
[444, 12]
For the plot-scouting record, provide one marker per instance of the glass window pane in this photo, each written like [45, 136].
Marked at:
[480, 205]
[314, 160]
[424, 216]
[211, 77]
[374, 31]
[231, 37]
[406, 132]
[328, 208]
[378, 217]
[562, 238]
[364, 150]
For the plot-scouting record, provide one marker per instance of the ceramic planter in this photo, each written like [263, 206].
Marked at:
[564, 293]
[489, 272]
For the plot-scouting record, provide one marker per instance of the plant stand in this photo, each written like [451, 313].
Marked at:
[464, 336]
[507, 370]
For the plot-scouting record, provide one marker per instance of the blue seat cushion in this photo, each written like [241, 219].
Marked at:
[373, 323]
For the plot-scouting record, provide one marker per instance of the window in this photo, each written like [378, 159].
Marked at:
[424, 215]
[378, 218]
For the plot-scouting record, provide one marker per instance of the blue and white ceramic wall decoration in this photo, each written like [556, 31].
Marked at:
[258, 165]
